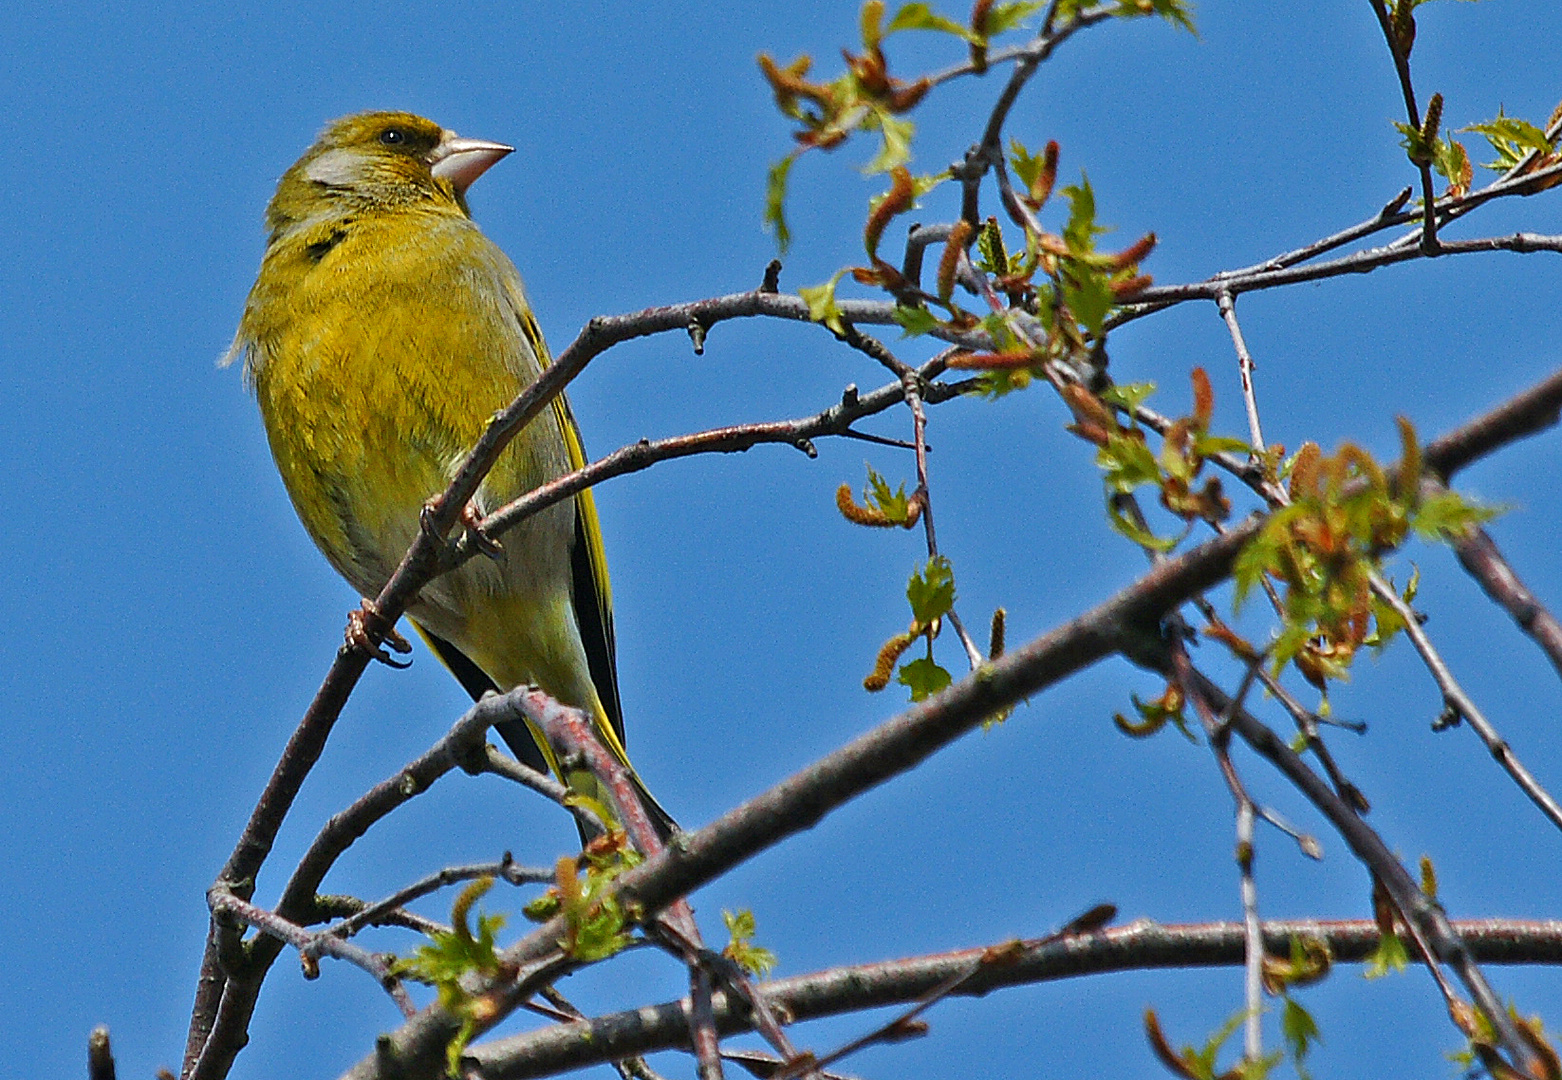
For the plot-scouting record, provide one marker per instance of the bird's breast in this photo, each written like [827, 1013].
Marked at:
[379, 351]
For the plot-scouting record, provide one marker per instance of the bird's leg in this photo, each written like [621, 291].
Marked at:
[471, 521]
[367, 628]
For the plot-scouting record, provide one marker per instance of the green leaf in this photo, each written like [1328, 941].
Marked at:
[821, 302]
[600, 933]
[775, 201]
[1386, 624]
[1390, 956]
[924, 677]
[1089, 297]
[1027, 166]
[1005, 17]
[915, 321]
[1299, 1029]
[740, 924]
[1143, 537]
[1128, 396]
[996, 384]
[1417, 147]
[1081, 231]
[741, 950]
[895, 149]
[895, 505]
[1205, 445]
[1204, 1058]
[1452, 163]
[1003, 336]
[918, 16]
[1154, 715]
[450, 957]
[931, 591]
[1512, 138]
[1176, 12]
[1447, 515]
[1128, 464]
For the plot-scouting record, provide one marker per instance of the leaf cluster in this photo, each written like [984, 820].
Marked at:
[597, 925]
[1518, 143]
[881, 507]
[865, 97]
[1057, 289]
[1128, 463]
[1346, 512]
[931, 593]
[741, 950]
[450, 958]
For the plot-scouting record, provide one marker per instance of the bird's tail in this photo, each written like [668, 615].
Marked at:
[527, 747]
[522, 741]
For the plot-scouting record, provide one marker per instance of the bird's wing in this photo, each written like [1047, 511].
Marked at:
[592, 591]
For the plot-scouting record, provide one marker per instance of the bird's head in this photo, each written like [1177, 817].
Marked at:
[380, 160]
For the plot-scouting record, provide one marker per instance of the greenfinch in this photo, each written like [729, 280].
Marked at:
[382, 332]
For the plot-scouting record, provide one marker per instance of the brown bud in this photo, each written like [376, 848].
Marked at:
[949, 263]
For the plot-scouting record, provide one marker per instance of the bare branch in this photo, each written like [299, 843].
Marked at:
[1158, 297]
[1460, 705]
[1399, 47]
[504, 870]
[1142, 945]
[229, 987]
[1228, 311]
[1479, 555]
[1423, 916]
[311, 944]
[1520, 416]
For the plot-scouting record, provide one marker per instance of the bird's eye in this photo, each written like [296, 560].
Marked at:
[392, 136]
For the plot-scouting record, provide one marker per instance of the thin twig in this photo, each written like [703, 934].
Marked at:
[1479, 555]
[1228, 311]
[702, 1025]
[1462, 706]
[836, 420]
[1360, 262]
[231, 1002]
[911, 386]
[1400, 49]
[1424, 918]
[504, 870]
[1218, 731]
[312, 944]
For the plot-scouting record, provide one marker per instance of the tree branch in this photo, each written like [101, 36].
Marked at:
[1142, 945]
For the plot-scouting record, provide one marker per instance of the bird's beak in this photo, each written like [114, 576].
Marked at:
[462, 161]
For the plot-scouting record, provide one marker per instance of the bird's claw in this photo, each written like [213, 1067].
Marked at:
[367, 628]
[471, 521]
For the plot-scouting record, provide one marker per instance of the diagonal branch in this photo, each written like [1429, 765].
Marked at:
[1127, 623]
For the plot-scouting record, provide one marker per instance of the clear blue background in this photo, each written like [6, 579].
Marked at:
[169, 619]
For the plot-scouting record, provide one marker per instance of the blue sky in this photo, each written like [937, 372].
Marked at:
[170, 620]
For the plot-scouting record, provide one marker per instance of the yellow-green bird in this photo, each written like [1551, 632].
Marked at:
[383, 331]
